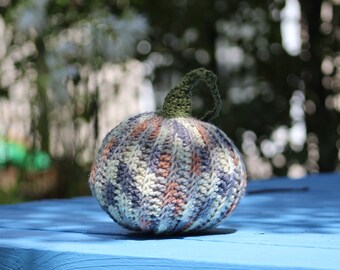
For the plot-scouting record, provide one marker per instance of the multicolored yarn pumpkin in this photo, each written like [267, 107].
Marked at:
[167, 172]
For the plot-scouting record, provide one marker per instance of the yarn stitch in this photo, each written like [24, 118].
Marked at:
[166, 172]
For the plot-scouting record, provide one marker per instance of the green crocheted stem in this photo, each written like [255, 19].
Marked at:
[178, 102]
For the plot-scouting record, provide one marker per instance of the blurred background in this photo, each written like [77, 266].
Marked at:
[70, 70]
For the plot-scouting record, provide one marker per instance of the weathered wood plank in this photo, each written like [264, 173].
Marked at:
[281, 224]
[49, 250]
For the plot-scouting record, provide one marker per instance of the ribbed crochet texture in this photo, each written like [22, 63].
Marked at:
[166, 172]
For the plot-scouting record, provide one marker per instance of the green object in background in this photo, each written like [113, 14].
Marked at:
[38, 161]
[17, 155]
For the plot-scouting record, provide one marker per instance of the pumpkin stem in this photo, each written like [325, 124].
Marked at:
[178, 102]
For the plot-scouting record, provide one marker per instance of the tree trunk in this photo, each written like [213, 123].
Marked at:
[322, 122]
[41, 98]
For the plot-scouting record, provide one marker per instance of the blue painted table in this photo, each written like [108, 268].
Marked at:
[280, 224]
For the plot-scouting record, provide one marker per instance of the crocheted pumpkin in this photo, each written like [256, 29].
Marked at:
[167, 172]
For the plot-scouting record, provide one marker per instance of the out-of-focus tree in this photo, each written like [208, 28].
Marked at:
[268, 93]
[280, 107]
[321, 76]
[57, 56]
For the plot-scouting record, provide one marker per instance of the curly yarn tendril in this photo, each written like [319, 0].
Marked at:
[178, 102]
